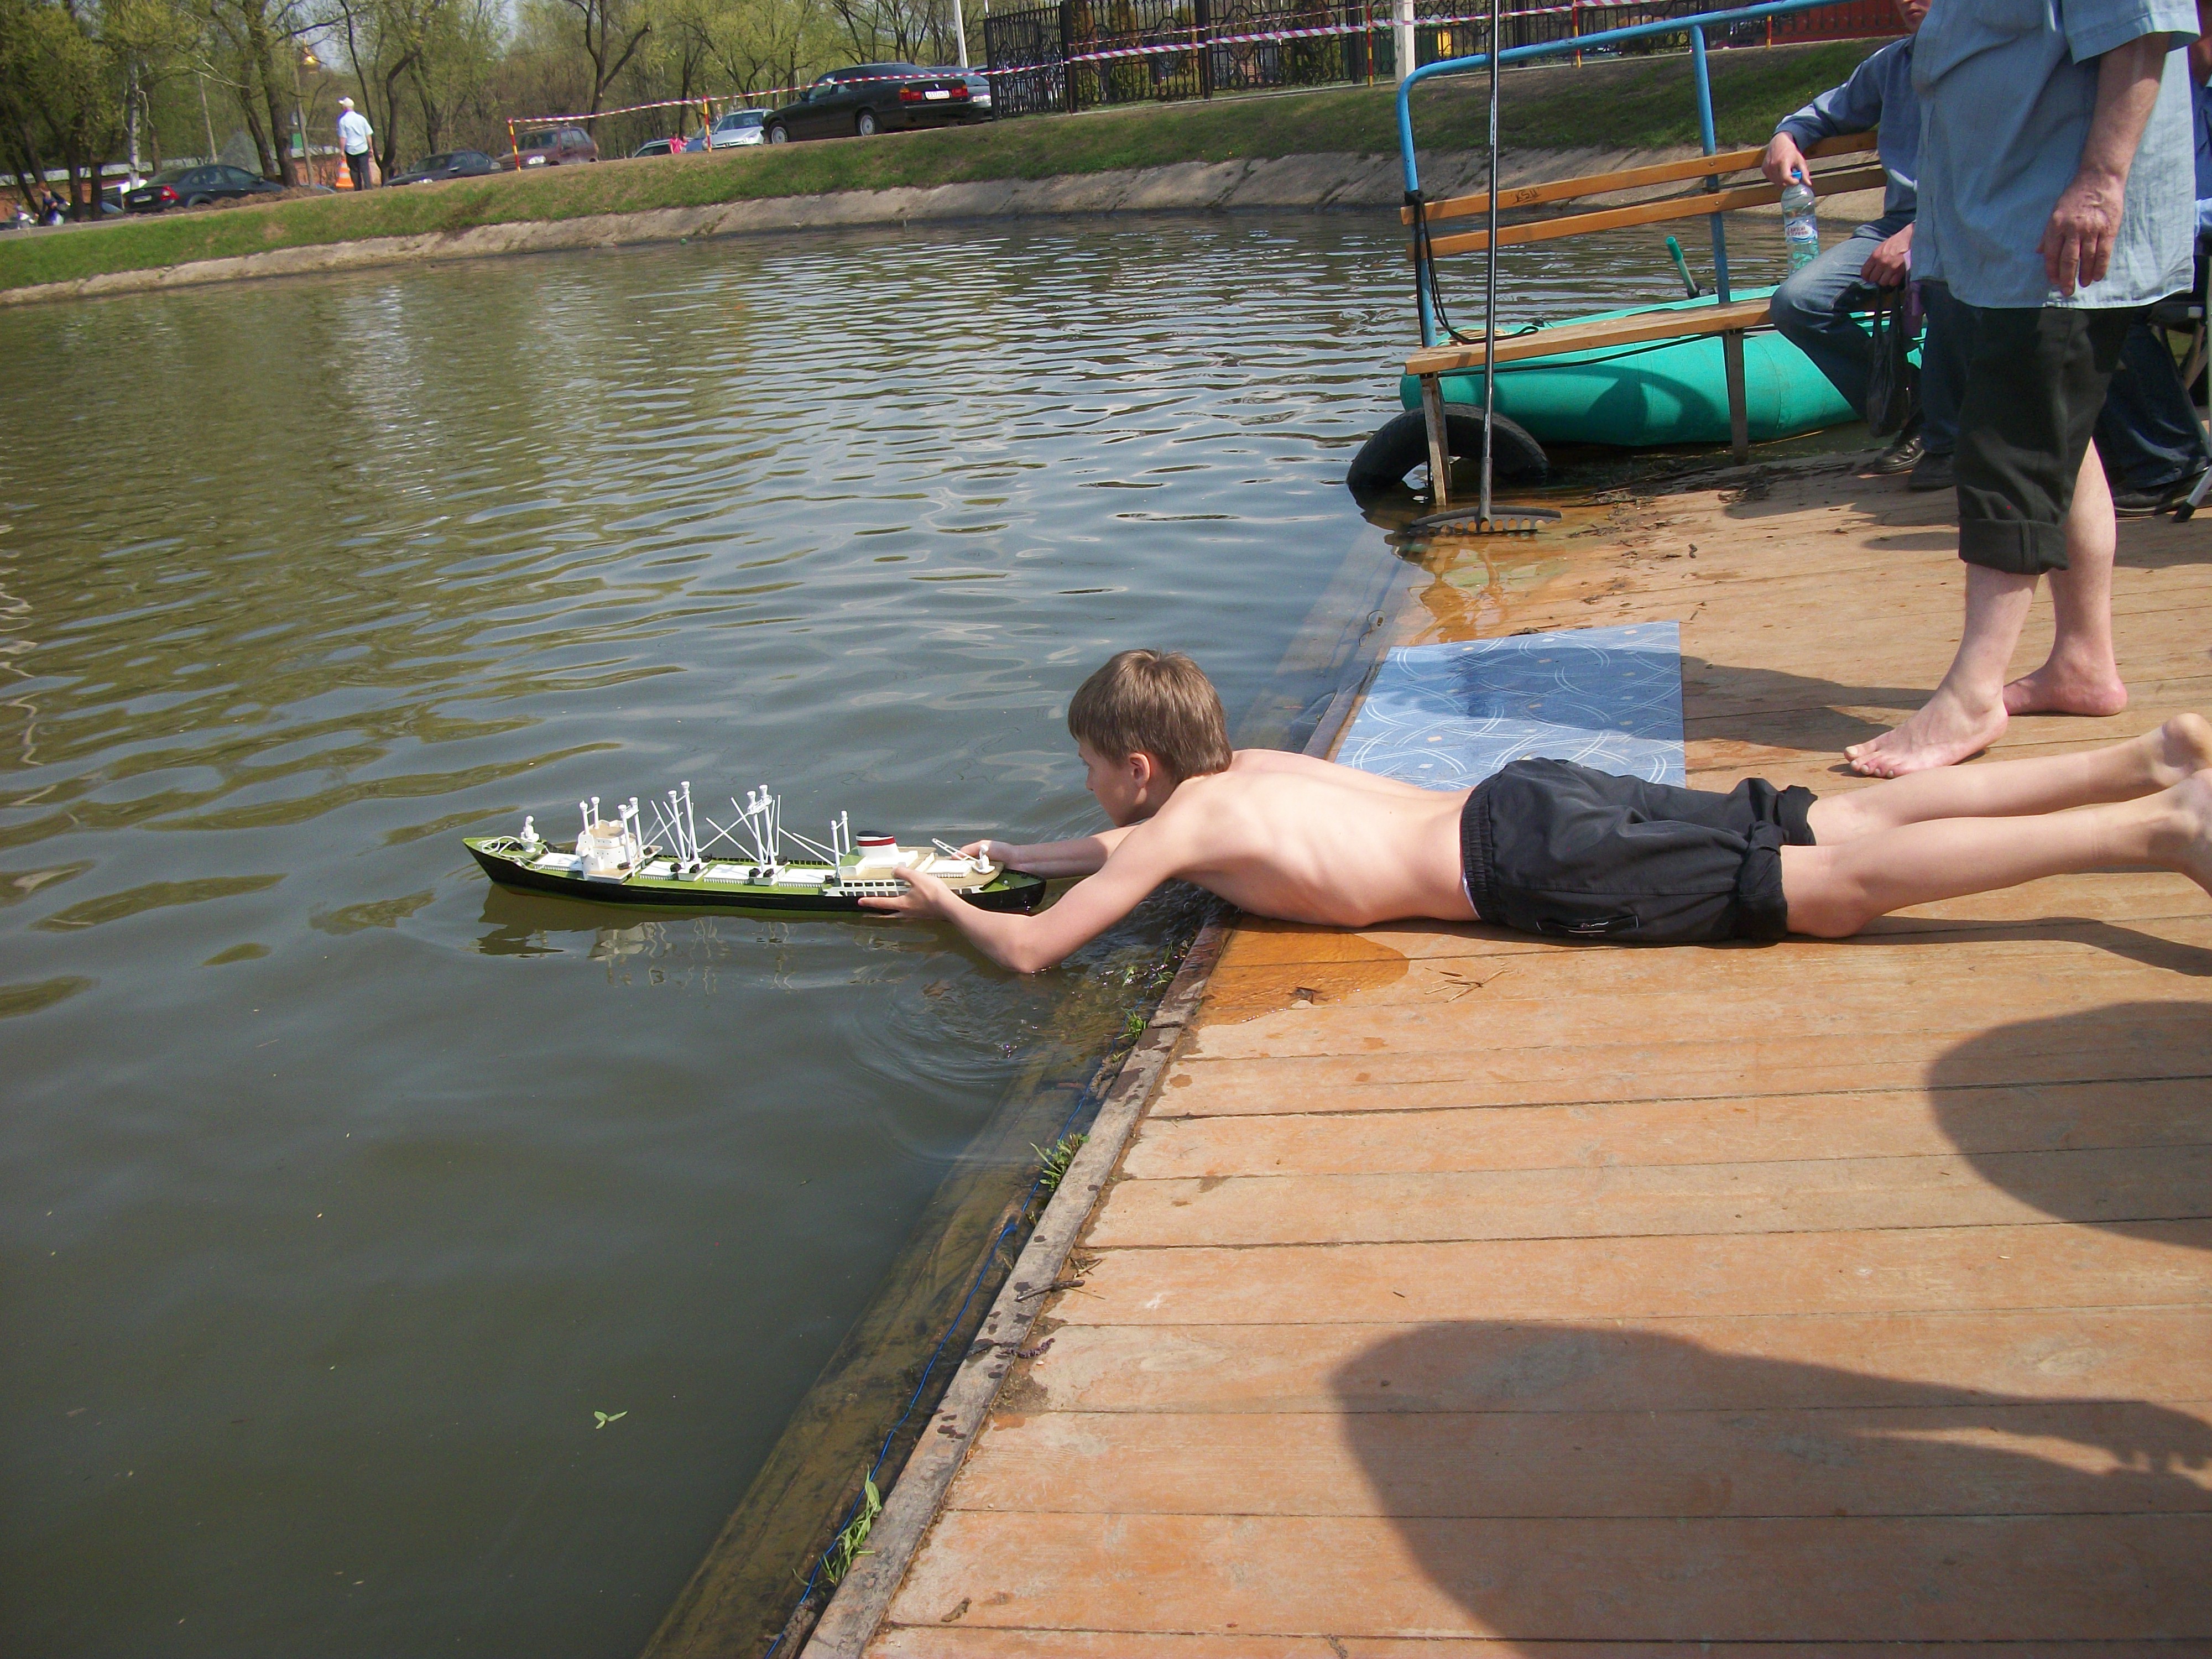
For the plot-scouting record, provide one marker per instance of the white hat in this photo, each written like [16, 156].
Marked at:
[345, 103]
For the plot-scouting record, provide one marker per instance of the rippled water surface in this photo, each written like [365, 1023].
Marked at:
[341, 1191]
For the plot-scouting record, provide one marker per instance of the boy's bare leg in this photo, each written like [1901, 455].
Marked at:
[2159, 759]
[1833, 891]
[1973, 706]
[2080, 676]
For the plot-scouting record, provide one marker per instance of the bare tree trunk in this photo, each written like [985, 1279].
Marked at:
[388, 134]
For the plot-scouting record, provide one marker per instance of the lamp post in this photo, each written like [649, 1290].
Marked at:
[304, 172]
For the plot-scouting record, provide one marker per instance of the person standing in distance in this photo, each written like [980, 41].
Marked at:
[354, 134]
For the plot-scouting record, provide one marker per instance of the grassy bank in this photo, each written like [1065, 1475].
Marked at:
[1626, 104]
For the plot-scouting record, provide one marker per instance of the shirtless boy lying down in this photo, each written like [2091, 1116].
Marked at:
[1548, 847]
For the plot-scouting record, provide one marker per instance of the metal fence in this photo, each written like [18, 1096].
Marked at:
[1076, 54]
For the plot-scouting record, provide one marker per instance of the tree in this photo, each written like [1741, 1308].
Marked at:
[72, 75]
[459, 52]
[251, 49]
[612, 32]
[768, 43]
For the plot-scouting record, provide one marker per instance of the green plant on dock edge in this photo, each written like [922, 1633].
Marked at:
[1055, 1162]
[846, 1548]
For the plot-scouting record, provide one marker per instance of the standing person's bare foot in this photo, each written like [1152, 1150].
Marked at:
[2177, 751]
[2067, 687]
[1945, 731]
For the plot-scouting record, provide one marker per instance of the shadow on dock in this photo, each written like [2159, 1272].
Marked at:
[1746, 1499]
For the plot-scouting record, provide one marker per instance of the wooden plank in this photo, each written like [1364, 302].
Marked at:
[1930, 1269]
[955, 1642]
[1776, 1002]
[1699, 206]
[2142, 1040]
[1672, 1457]
[1658, 173]
[1821, 1361]
[2060, 1578]
[2161, 1183]
[1892, 1123]
[2178, 925]
[1644, 326]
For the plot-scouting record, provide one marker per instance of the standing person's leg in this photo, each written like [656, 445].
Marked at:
[2147, 432]
[2082, 676]
[357, 165]
[2036, 383]
[1812, 310]
[1947, 345]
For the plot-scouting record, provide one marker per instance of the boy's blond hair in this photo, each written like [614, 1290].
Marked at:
[1154, 702]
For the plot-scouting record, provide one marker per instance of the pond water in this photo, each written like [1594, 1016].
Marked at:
[340, 1193]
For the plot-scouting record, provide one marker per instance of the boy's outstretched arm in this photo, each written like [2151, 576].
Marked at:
[1079, 857]
[1137, 864]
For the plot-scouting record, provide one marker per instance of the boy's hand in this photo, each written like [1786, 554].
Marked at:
[925, 896]
[990, 852]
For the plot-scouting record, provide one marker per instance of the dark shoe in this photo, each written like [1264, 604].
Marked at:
[1934, 473]
[1902, 456]
[2155, 498]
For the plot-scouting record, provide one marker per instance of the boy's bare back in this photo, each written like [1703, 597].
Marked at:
[1305, 840]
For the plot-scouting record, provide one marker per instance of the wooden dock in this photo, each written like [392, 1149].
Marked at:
[1461, 1293]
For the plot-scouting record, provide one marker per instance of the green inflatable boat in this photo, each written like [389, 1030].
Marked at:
[1670, 392]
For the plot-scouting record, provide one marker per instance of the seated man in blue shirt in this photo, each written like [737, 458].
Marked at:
[2149, 435]
[1813, 307]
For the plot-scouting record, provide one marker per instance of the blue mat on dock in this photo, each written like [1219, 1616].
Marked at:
[1447, 716]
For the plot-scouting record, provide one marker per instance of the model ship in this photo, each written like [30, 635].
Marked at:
[755, 862]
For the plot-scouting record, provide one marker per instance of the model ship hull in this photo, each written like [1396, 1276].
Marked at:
[812, 888]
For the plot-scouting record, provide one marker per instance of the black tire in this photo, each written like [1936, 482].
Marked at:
[1401, 443]
[864, 123]
[777, 133]
[195, 201]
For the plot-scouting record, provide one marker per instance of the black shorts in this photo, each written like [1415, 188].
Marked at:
[2034, 387]
[1550, 846]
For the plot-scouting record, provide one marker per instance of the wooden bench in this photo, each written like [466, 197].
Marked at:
[1728, 319]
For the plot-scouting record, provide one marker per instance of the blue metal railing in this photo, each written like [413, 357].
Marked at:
[1695, 25]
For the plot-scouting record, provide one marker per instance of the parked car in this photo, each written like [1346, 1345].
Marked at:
[452, 164]
[195, 186]
[657, 147]
[979, 84]
[550, 147]
[869, 98]
[739, 126]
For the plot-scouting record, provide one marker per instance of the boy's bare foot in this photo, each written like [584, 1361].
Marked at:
[2190, 846]
[2177, 749]
[1944, 733]
[2058, 688]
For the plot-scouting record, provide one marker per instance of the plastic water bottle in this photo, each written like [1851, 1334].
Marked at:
[1801, 227]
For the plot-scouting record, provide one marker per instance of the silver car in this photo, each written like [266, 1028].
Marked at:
[739, 126]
